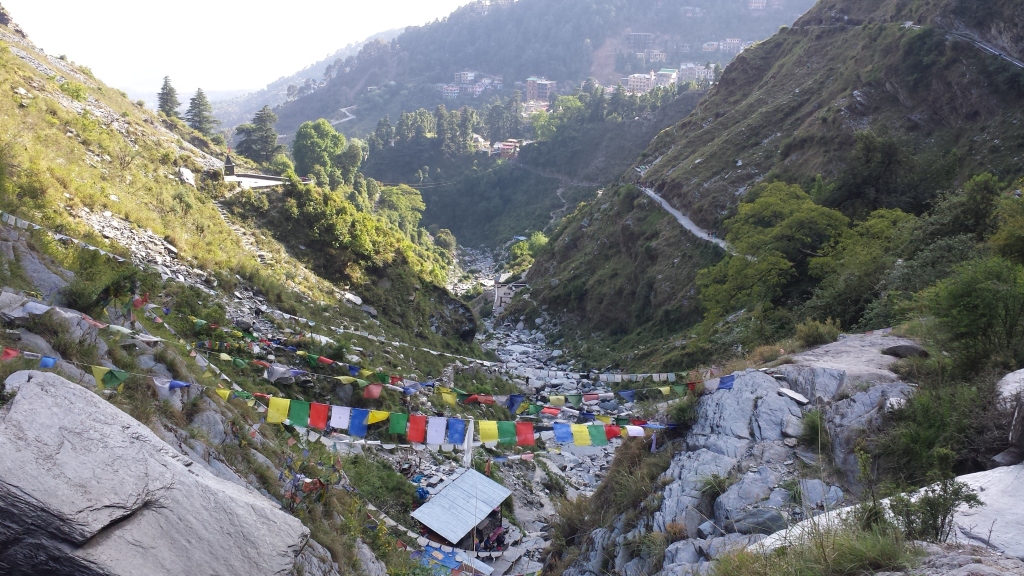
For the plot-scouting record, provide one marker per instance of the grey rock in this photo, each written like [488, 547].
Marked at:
[793, 427]
[1009, 457]
[369, 564]
[751, 489]
[818, 384]
[724, 417]
[343, 392]
[779, 498]
[847, 420]
[905, 351]
[813, 492]
[48, 283]
[315, 560]
[716, 547]
[212, 424]
[687, 472]
[708, 530]
[682, 552]
[74, 467]
[795, 396]
[757, 521]
[999, 490]
[187, 176]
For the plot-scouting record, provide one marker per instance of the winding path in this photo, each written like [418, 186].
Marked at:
[349, 115]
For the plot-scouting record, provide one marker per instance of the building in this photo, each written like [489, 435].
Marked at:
[539, 88]
[466, 506]
[757, 4]
[480, 144]
[503, 293]
[464, 77]
[640, 41]
[450, 91]
[656, 56]
[666, 77]
[731, 45]
[710, 47]
[477, 89]
[705, 73]
[640, 83]
[685, 47]
[482, 7]
[504, 3]
[692, 12]
[509, 150]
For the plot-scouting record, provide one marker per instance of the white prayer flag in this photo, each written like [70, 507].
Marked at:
[340, 416]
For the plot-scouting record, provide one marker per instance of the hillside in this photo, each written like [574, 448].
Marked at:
[564, 41]
[888, 115]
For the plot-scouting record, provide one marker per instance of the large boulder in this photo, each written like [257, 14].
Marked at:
[754, 487]
[847, 420]
[87, 490]
[999, 523]
[1011, 392]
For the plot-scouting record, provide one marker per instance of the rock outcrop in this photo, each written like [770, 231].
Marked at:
[87, 490]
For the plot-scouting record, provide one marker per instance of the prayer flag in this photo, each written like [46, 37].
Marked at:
[175, 384]
[113, 378]
[98, 372]
[372, 391]
[10, 354]
[612, 432]
[382, 377]
[524, 434]
[238, 362]
[353, 370]
[448, 398]
[514, 402]
[456, 431]
[345, 379]
[635, 431]
[417, 428]
[550, 411]
[47, 362]
[681, 390]
[377, 416]
[535, 409]
[557, 400]
[298, 413]
[563, 432]
[340, 416]
[399, 423]
[590, 397]
[357, 426]
[726, 382]
[435, 430]
[488, 431]
[598, 435]
[574, 399]
[324, 360]
[225, 357]
[507, 432]
[580, 435]
[318, 415]
[224, 394]
[394, 380]
[277, 412]
[604, 419]
[627, 395]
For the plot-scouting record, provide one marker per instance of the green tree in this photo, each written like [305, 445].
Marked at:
[200, 114]
[167, 99]
[317, 144]
[257, 139]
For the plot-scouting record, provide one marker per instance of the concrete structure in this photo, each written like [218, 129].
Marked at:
[640, 41]
[503, 293]
[731, 45]
[710, 47]
[251, 180]
[459, 507]
[539, 88]
[464, 77]
[656, 56]
[666, 77]
[640, 83]
[692, 12]
[450, 91]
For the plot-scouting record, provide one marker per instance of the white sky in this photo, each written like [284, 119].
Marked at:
[212, 44]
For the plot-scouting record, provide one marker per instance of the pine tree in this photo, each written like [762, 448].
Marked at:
[200, 114]
[168, 98]
[258, 140]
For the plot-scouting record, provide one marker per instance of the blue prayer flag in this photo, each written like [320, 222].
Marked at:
[357, 426]
[47, 362]
[353, 370]
[563, 433]
[456, 431]
[627, 395]
[175, 384]
[514, 401]
[586, 417]
[725, 382]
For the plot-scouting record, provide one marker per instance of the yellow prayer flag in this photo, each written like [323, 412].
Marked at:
[444, 390]
[624, 433]
[523, 407]
[665, 390]
[605, 419]
[377, 416]
[277, 412]
[345, 379]
[449, 398]
[580, 435]
[301, 353]
[364, 372]
[488, 431]
[225, 357]
[98, 372]
[557, 400]
[251, 402]
[225, 393]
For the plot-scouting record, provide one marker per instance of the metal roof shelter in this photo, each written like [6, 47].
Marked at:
[461, 505]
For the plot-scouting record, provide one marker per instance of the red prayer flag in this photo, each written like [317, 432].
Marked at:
[551, 411]
[9, 354]
[372, 391]
[323, 360]
[396, 379]
[589, 397]
[417, 428]
[261, 363]
[318, 415]
[524, 434]
[612, 431]
[638, 422]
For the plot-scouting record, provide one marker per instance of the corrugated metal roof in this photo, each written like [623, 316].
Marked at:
[461, 505]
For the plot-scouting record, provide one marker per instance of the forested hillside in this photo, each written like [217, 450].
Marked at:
[852, 161]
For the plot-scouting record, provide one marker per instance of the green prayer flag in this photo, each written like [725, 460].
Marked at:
[506, 432]
[298, 413]
[114, 378]
[534, 409]
[574, 399]
[398, 424]
[462, 396]
[200, 324]
[383, 378]
[622, 421]
[238, 362]
[681, 390]
[362, 383]
[312, 360]
[243, 394]
[597, 435]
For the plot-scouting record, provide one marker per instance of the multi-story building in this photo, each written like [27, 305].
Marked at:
[666, 77]
[656, 56]
[450, 91]
[710, 47]
[539, 88]
[640, 83]
[464, 77]
[731, 45]
[640, 41]
[757, 4]
[692, 12]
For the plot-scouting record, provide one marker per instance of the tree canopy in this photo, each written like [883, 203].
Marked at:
[257, 139]
[167, 98]
[200, 114]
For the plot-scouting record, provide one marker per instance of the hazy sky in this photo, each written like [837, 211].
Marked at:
[213, 44]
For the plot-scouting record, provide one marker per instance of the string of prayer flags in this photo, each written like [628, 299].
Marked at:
[506, 432]
[360, 418]
[399, 423]
[417, 428]
[372, 391]
[318, 415]
[340, 416]
[435, 430]
[488, 431]
[377, 416]
[298, 413]
[580, 435]
[524, 434]
[598, 435]
[456, 431]
[563, 432]
[47, 362]
[277, 411]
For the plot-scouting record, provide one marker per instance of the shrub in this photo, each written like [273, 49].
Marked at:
[765, 354]
[928, 515]
[815, 432]
[813, 333]
[74, 90]
[714, 486]
[683, 413]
